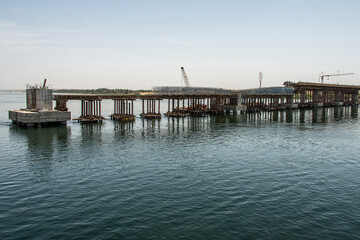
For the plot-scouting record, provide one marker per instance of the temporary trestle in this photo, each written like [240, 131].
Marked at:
[325, 98]
[310, 95]
[90, 111]
[123, 110]
[178, 105]
[151, 108]
[185, 106]
[177, 108]
[199, 103]
[299, 95]
[217, 105]
[195, 105]
[264, 102]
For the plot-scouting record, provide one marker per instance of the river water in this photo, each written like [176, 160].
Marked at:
[282, 175]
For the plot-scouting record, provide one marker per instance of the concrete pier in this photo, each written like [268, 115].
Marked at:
[90, 111]
[39, 104]
[30, 118]
[151, 106]
[124, 109]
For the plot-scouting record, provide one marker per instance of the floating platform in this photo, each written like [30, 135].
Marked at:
[29, 118]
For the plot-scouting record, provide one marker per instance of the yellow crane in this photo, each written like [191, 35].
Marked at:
[185, 78]
[322, 75]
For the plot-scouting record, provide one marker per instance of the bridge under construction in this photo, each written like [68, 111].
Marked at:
[183, 101]
[191, 101]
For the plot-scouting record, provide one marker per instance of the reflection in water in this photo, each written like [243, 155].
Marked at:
[313, 116]
[123, 128]
[43, 145]
[43, 142]
[150, 126]
[198, 124]
[47, 143]
[91, 129]
[202, 124]
[91, 135]
[188, 124]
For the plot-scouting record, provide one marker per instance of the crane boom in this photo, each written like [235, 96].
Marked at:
[322, 75]
[260, 78]
[185, 78]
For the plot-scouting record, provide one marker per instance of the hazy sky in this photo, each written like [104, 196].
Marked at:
[139, 44]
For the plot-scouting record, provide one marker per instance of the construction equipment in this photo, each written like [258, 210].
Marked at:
[44, 83]
[260, 78]
[185, 78]
[322, 75]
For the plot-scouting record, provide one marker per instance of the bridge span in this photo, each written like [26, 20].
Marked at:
[190, 102]
[184, 101]
[180, 104]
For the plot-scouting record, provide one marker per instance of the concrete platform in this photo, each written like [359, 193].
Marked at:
[41, 117]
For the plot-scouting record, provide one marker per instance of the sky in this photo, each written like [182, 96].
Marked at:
[138, 44]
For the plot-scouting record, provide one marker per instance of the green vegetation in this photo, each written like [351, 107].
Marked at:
[101, 91]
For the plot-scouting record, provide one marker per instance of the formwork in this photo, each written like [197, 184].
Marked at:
[39, 109]
[39, 98]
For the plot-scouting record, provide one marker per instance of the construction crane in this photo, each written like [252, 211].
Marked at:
[322, 75]
[185, 78]
[260, 78]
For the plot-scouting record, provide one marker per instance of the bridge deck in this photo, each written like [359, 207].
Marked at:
[142, 97]
[321, 86]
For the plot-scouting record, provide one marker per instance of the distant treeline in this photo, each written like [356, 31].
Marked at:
[101, 91]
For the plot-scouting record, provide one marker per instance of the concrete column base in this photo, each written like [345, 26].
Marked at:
[317, 104]
[291, 105]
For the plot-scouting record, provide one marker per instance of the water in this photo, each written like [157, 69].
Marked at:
[283, 175]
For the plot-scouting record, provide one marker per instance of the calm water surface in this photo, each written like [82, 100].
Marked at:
[282, 175]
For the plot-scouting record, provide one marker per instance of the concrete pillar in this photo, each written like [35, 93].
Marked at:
[276, 102]
[323, 98]
[354, 97]
[290, 100]
[316, 96]
[337, 96]
[132, 107]
[302, 96]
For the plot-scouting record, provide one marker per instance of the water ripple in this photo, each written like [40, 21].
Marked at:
[285, 175]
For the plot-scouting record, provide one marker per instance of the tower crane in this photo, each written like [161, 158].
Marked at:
[322, 75]
[185, 78]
